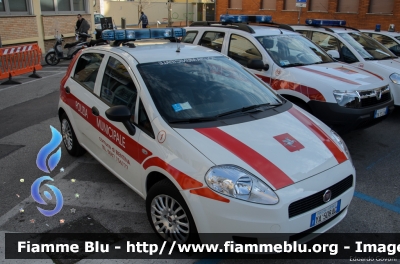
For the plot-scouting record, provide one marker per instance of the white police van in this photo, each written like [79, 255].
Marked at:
[351, 46]
[211, 147]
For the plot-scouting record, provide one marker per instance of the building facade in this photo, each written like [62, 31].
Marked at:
[38, 21]
[362, 14]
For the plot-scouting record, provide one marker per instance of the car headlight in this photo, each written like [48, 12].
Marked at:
[241, 184]
[341, 143]
[395, 78]
[347, 98]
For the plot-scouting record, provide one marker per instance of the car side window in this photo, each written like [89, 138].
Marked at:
[302, 32]
[242, 50]
[325, 41]
[212, 40]
[190, 36]
[346, 55]
[87, 68]
[117, 87]
[144, 121]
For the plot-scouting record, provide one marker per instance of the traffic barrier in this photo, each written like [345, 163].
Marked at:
[17, 60]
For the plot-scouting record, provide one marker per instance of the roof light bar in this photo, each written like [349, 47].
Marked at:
[244, 19]
[325, 22]
[233, 19]
[136, 34]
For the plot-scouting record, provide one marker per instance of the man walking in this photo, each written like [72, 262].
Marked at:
[82, 26]
[143, 19]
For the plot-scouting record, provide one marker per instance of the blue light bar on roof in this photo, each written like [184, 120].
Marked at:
[325, 22]
[136, 34]
[263, 19]
[233, 18]
[244, 19]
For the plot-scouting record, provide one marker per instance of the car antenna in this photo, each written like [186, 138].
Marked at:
[178, 47]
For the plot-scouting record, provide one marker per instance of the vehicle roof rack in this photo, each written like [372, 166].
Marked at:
[282, 26]
[239, 26]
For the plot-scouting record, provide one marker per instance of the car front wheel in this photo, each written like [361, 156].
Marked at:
[169, 215]
[69, 138]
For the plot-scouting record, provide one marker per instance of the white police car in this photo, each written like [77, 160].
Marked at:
[351, 46]
[341, 96]
[211, 148]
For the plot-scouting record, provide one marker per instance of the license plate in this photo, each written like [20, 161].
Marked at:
[380, 112]
[324, 214]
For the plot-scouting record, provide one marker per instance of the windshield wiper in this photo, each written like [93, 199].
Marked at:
[369, 58]
[294, 64]
[248, 109]
[193, 120]
[387, 57]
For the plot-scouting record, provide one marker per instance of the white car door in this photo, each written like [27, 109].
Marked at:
[121, 152]
[81, 86]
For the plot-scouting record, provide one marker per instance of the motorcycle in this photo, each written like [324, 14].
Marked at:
[56, 54]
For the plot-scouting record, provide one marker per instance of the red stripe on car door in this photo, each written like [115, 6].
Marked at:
[276, 84]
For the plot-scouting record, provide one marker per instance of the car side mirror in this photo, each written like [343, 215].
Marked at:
[334, 54]
[257, 65]
[121, 113]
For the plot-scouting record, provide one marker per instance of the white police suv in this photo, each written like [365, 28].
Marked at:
[341, 96]
[351, 46]
[211, 148]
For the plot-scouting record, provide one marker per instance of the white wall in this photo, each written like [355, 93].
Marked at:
[155, 11]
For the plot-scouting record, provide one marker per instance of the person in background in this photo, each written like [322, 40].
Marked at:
[82, 26]
[143, 19]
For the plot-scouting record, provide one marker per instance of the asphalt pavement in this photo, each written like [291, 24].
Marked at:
[96, 201]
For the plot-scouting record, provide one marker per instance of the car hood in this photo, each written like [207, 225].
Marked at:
[336, 75]
[281, 150]
[390, 65]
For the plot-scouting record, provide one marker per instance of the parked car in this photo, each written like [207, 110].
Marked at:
[340, 95]
[390, 40]
[211, 147]
[97, 21]
[351, 46]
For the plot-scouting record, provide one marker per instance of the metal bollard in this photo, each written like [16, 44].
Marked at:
[123, 22]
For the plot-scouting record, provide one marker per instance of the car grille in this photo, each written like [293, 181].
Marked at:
[315, 200]
[369, 98]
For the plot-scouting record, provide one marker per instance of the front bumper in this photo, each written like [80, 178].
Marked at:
[245, 219]
[343, 119]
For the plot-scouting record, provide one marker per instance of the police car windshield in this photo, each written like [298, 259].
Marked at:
[398, 37]
[203, 88]
[368, 48]
[293, 50]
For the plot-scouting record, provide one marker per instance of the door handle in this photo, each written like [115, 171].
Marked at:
[67, 90]
[95, 111]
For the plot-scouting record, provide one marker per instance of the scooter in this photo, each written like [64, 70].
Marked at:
[56, 54]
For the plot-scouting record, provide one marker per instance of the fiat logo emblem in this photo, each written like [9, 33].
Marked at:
[327, 196]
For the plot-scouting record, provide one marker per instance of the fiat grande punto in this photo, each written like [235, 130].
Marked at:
[209, 146]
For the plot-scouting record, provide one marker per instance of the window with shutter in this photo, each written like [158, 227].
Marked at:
[290, 5]
[348, 6]
[268, 4]
[235, 4]
[319, 5]
[381, 6]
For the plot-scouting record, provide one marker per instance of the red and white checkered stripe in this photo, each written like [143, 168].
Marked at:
[16, 49]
